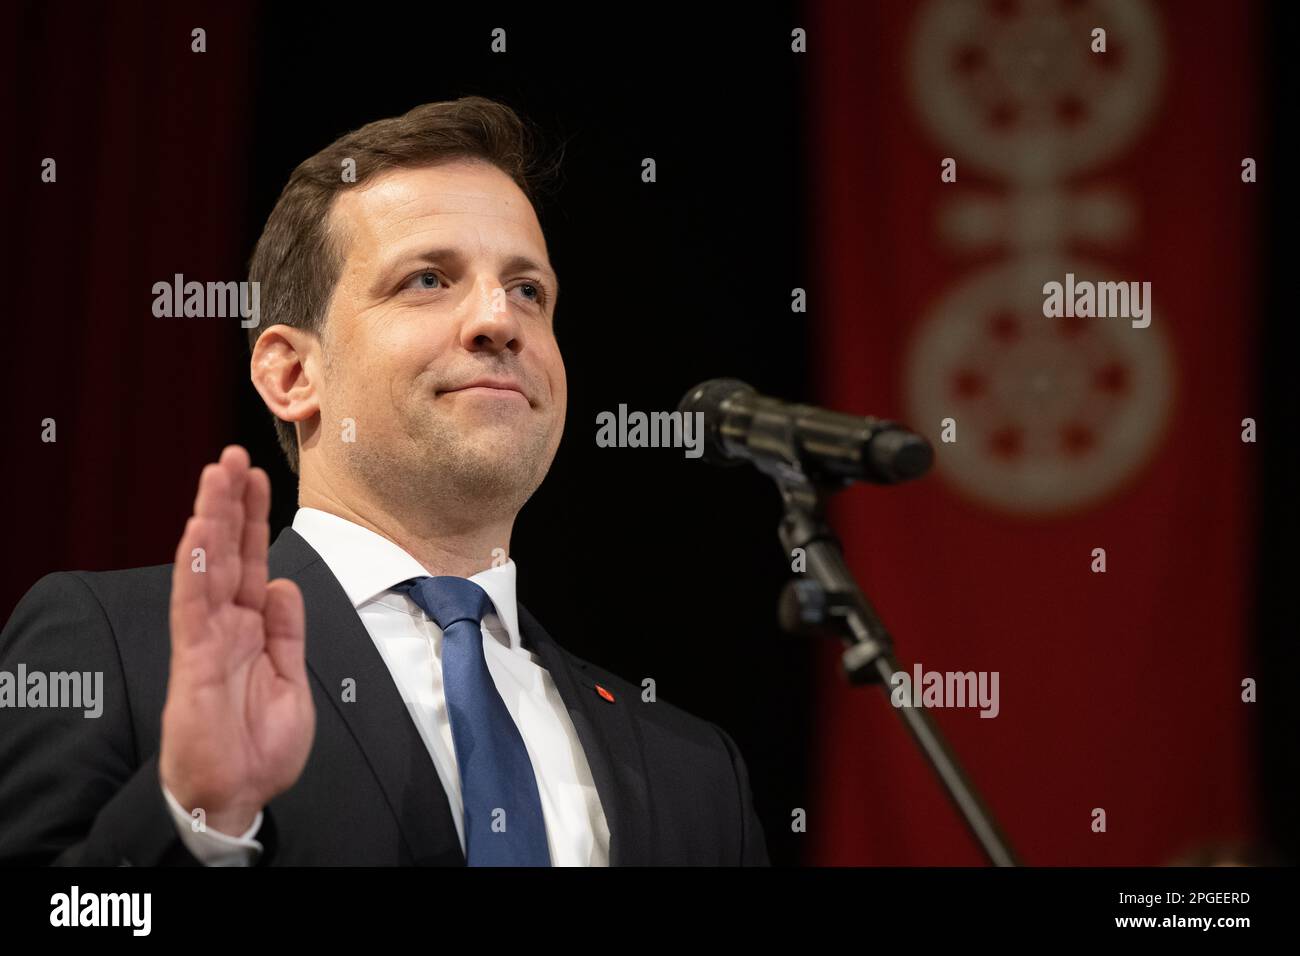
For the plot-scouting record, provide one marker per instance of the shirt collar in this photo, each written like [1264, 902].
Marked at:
[367, 564]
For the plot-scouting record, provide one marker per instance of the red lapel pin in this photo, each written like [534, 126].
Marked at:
[604, 693]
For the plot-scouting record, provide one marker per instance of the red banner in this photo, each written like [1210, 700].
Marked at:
[1086, 535]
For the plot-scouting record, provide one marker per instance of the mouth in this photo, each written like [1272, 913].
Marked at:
[494, 388]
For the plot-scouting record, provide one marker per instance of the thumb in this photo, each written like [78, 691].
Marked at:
[285, 621]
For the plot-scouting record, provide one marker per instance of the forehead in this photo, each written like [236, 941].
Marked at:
[466, 202]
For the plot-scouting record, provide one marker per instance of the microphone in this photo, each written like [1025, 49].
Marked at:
[802, 441]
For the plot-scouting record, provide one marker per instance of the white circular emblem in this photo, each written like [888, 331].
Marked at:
[1050, 413]
[1015, 89]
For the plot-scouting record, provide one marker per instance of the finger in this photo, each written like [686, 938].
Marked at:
[255, 540]
[234, 459]
[286, 630]
[190, 605]
[217, 566]
[207, 568]
[235, 455]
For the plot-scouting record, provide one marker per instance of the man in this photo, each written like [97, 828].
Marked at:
[366, 690]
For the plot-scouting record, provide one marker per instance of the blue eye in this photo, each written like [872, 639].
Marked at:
[541, 294]
[429, 281]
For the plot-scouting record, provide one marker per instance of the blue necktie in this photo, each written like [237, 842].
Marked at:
[503, 812]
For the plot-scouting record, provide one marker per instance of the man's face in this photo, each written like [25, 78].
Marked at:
[440, 339]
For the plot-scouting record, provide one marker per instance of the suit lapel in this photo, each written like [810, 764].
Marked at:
[339, 648]
[611, 741]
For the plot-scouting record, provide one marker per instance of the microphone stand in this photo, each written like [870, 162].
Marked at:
[829, 598]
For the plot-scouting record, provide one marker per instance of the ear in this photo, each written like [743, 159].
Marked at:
[282, 368]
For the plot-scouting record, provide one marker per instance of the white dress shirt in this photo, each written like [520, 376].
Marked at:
[368, 565]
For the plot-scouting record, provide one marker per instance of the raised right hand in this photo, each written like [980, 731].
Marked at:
[239, 719]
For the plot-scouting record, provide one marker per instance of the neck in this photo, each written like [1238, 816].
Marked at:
[458, 544]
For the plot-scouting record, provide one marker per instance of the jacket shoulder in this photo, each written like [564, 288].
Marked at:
[111, 590]
[75, 613]
[128, 587]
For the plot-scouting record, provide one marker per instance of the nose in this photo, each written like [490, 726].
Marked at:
[490, 324]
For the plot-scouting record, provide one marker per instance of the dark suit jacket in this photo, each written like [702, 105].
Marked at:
[85, 791]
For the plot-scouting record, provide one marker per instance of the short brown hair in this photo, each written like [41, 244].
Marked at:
[297, 262]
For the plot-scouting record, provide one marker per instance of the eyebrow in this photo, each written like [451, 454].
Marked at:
[517, 262]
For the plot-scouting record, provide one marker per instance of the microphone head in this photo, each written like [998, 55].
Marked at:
[900, 455]
[709, 397]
